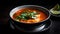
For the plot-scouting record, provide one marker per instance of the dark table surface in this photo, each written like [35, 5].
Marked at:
[7, 5]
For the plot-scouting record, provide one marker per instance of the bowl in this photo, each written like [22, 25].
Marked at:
[55, 13]
[30, 27]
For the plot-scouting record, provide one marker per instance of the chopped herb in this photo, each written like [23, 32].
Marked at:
[27, 15]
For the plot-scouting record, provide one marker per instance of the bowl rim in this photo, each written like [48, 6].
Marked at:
[29, 6]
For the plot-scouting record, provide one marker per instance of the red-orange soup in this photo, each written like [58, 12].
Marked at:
[39, 16]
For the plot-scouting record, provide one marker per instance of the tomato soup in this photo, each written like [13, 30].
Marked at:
[29, 16]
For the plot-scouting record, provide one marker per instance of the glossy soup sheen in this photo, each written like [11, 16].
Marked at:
[39, 16]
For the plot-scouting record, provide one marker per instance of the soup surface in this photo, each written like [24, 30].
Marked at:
[29, 16]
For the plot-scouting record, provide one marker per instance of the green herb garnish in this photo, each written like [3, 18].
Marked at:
[27, 15]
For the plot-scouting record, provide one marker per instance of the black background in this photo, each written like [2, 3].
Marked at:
[7, 5]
